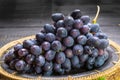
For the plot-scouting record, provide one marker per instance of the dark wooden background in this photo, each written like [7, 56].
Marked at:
[20, 18]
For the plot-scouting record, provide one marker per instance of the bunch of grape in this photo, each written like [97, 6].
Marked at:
[72, 42]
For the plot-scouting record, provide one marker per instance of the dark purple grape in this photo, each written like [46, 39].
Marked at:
[49, 28]
[38, 69]
[50, 37]
[18, 47]
[78, 49]
[40, 37]
[23, 52]
[94, 52]
[67, 65]
[57, 16]
[36, 50]
[46, 46]
[93, 41]
[91, 60]
[75, 62]
[82, 39]
[68, 41]
[101, 35]
[48, 66]
[20, 65]
[83, 58]
[78, 24]
[12, 63]
[40, 60]
[76, 14]
[49, 55]
[56, 45]
[87, 50]
[69, 53]
[74, 33]
[34, 41]
[9, 56]
[103, 44]
[106, 55]
[57, 68]
[28, 43]
[99, 61]
[60, 57]
[94, 28]
[84, 29]
[27, 68]
[60, 23]
[85, 19]
[69, 21]
[62, 32]
[88, 35]
[29, 58]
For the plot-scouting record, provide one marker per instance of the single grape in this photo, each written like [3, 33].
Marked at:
[18, 47]
[56, 45]
[75, 62]
[94, 28]
[23, 52]
[68, 41]
[46, 46]
[78, 24]
[101, 35]
[49, 28]
[88, 35]
[83, 58]
[9, 56]
[91, 60]
[82, 39]
[48, 66]
[78, 49]
[69, 53]
[36, 50]
[93, 41]
[99, 61]
[50, 37]
[74, 33]
[68, 22]
[20, 65]
[29, 58]
[40, 61]
[84, 29]
[76, 14]
[85, 19]
[57, 68]
[38, 69]
[40, 37]
[60, 57]
[62, 32]
[12, 63]
[67, 65]
[94, 52]
[60, 23]
[57, 16]
[49, 55]
[28, 43]
[103, 43]
[27, 68]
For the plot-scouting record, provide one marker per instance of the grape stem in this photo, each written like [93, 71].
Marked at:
[97, 14]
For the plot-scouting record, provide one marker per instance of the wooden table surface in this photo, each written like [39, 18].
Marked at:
[26, 19]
